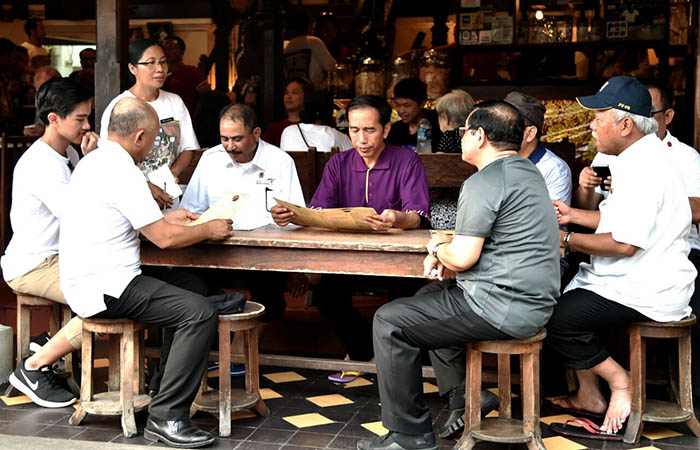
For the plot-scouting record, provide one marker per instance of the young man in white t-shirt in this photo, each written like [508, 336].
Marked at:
[639, 268]
[30, 263]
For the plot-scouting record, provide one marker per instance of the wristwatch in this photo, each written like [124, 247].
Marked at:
[433, 248]
[566, 240]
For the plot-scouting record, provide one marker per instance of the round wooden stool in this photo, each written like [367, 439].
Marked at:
[126, 373]
[650, 410]
[59, 317]
[224, 400]
[504, 429]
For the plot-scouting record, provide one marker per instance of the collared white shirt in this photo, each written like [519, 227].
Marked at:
[107, 201]
[38, 194]
[648, 208]
[687, 160]
[322, 137]
[557, 176]
[271, 174]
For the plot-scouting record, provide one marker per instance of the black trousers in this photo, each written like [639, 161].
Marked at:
[437, 318]
[694, 257]
[193, 321]
[578, 315]
[333, 298]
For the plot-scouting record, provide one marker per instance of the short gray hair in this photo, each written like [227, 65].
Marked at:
[646, 125]
[130, 115]
[455, 106]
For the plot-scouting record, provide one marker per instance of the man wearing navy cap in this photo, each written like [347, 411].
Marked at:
[639, 268]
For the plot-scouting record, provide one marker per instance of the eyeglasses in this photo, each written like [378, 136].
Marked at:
[463, 130]
[656, 111]
[152, 64]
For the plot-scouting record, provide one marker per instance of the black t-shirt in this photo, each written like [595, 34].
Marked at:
[399, 133]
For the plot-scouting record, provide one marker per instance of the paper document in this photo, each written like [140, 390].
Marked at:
[226, 208]
[333, 218]
[164, 179]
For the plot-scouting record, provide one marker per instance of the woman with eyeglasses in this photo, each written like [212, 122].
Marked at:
[149, 69]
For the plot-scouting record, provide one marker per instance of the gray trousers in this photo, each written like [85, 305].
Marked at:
[439, 319]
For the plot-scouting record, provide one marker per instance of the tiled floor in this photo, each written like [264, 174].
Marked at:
[305, 413]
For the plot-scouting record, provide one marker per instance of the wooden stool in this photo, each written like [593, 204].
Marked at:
[644, 410]
[245, 325]
[504, 429]
[126, 373]
[60, 316]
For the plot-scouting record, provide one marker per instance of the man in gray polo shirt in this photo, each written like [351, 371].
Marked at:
[505, 252]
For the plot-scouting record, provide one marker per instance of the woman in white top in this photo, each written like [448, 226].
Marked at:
[149, 67]
[313, 130]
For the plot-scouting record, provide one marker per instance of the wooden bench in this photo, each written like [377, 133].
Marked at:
[245, 326]
[126, 373]
[650, 410]
[504, 429]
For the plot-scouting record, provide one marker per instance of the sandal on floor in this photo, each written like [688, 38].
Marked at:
[587, 430]
[568, 407]
[344, 377]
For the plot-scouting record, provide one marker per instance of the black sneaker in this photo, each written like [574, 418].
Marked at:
[39, 341]
[42, 386]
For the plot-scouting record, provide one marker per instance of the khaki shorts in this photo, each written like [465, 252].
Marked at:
[42, 281]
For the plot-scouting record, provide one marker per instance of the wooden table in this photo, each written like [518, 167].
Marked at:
[300, 249]
[309, 250]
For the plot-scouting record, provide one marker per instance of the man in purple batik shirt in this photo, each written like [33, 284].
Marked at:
[389, 179]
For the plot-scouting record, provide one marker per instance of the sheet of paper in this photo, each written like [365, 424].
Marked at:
[164, 179]
[333, 218]
[226, 208]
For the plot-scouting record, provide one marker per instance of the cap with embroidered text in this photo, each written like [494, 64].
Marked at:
[623, 93]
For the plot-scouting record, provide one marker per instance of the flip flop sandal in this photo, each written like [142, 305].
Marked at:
[569, 408]
[586, 430]
[344, 377]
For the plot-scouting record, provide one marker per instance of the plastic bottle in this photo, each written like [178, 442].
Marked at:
[424, 137]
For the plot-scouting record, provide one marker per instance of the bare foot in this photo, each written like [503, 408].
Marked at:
[618, 410]
[590, 403]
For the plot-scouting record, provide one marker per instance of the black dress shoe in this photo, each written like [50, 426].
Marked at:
[454, 424]
[399, 441]
[176, 433]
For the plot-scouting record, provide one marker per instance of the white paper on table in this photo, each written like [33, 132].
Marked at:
[164, 179]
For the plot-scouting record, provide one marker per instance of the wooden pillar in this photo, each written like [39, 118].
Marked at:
[439, 29]
[696, 122]
[110, 69]
[222, 16]
[273, 65]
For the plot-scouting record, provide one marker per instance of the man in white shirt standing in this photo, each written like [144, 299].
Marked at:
[306, 55]
[36, 32]
[30, 263]
[107, 204]
[245, 165]
[554, 170]
[639, 267]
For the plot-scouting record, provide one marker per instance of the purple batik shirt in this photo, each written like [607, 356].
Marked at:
[397, 181]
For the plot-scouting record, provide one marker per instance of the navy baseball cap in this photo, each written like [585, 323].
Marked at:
[623, 93]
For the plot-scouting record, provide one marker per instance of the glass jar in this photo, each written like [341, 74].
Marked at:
[370, 78]
[401, 68]
[434, 71]
[340, 81]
